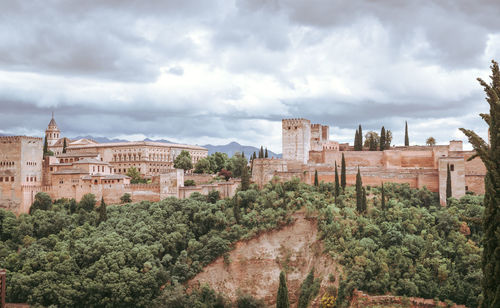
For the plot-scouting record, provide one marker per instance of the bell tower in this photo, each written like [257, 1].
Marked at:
[52, 133]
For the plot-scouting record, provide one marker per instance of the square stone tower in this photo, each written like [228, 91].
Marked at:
[296, 138]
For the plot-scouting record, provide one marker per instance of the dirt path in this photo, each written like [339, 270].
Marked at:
[254, 266]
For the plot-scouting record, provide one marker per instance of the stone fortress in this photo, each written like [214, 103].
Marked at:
[307, 148]
[91, 167]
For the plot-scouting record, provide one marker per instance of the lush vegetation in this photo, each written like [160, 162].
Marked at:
[66, 254]
[217, 162]
[489, 153]
[414, 247]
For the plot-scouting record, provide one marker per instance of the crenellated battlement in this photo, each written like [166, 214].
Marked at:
[294, 122]
[18, 138]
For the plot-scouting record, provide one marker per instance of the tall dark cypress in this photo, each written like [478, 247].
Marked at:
[382, 139]
[64, 146]
[261, 153]
[407, 140]
[383, 198]
[103, 213]
[359, 192]
[282, 297]
[266, 155]
[245, 178]
[363, 203]
[316, 181]
[342, 173]
[337, 184]
[45, 147]
[360, 138]
[448, 184]
[490, 155]
[356, 140]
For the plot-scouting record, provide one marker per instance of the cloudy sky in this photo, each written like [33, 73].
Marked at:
[216, 71]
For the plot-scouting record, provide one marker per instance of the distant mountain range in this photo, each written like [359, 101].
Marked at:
[230, 149]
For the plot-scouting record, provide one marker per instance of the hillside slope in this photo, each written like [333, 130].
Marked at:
[254, 266]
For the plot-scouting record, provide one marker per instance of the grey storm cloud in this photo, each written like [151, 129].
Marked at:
[211, 69]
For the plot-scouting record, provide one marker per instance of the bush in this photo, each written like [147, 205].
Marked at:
[125, 198]
[88, 202]
[42, 202]
[189, 183]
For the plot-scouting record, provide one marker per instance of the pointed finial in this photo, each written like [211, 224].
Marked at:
[52, 114]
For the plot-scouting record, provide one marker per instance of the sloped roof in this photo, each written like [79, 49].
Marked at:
[90, 161]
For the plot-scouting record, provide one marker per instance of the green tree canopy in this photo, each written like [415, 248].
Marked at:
[490, 155]
[42, 202]
[183, 161]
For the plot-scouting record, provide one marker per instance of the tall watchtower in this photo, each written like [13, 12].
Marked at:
[52, 133]
[296, 137]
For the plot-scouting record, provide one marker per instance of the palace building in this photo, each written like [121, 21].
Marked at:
[307, 148]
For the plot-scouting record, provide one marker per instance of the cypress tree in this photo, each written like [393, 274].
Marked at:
[490, 155]
[359, 192]
[407, 140]
[45, 146]
[448, 184]
[236, 209]
[103, 213]
[261, 153]
[382, 139]
[360, 139]
[383, 197]
[266, 155]
[342, 173]
[282, 298]
[245, 178]
[363, 203]
[356, 137]
[316, 182]
[64, 146]
[337, 184]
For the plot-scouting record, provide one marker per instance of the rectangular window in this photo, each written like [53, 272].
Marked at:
[1, 179]
[452, 167]
[12, 179]
[466, 188]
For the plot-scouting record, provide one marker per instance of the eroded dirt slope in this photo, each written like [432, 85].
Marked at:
[254, 266]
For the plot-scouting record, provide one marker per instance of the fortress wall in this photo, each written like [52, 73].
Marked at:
[199, 178]
[417, 159]
[264, 169]
[362, 158]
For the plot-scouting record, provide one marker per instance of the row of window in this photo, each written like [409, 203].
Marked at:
[6, 178]
[31, 179]
[7, 163]
[31, 163]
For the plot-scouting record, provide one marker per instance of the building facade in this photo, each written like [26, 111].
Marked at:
[307, 148]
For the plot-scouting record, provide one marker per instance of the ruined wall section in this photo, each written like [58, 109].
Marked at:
[296, 138]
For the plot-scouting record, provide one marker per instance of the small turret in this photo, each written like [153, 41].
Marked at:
[52, 133]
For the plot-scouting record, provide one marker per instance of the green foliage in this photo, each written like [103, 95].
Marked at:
[135, 176]
[103, 215]
[189, 183]
[359, 193]
[448, 184]
[383, 143]
[490, 155]
[237, 164]
[337, 184]
[126, 198]
[372, 141]
[282, 296]
[183, 161]
[358, 139]
[308, 290]
[56, 257]
[407, 140]
[414, 248]
[430, 141]
[42, 202]
[45, 146]
[343, 173]
[203, 166]
[88, 202]
[248, 301]
[213, 196]
[245, 178]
